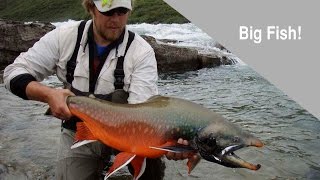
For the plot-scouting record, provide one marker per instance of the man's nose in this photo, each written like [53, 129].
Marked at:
[115, 17]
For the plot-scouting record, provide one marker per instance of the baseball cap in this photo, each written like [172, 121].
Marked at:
[107, 5]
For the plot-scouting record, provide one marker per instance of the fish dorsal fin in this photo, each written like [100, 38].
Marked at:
[193, 161]
[157, 98]
[83, 132]
[121, 160]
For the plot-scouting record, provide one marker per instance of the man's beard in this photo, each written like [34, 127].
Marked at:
[110, 35]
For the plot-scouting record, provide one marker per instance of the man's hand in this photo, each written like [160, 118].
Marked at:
[179, 156]
[56, 98]
[57, 102]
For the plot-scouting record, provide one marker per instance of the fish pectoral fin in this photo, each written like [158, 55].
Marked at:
[193, 161]
[83, 136]
[121, 160]
[176, 148]
[139, 165]
[83, 132]
[81, 143]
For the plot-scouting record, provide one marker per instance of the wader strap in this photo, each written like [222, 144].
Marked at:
[73, 60]
[118, 72]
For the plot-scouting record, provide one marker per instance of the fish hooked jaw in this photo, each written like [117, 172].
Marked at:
[219, 147]
[233, 159]
[228, 158]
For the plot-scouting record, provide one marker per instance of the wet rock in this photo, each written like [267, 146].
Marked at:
[215, 59]
[208, 60]
[173, 58]
[17, 37]
[180, 59]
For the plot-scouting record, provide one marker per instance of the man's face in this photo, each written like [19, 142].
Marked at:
[109, 26]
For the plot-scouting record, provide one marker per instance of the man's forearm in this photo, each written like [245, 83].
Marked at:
[19, 84]
[38, 92]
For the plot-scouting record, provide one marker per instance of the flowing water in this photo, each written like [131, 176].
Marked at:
[291, 135]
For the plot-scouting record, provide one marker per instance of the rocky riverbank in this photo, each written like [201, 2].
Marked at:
[17, 37]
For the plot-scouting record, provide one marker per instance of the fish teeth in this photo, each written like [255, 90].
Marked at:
[227, 149]
[217, 158]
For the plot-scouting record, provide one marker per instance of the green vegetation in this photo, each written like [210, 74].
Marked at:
[43, 10]
[148, 11]
[155, 11]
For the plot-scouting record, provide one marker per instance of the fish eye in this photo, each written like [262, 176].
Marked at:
[207, 141]
[211, 142]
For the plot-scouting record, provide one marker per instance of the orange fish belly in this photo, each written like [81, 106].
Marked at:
[133, 137]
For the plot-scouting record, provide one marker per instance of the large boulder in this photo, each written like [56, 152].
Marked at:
[180, 59]
[17, 37]
[173, 58]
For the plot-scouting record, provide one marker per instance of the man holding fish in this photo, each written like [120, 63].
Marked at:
[96, 57]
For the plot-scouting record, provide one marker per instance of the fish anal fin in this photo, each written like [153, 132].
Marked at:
[121, 160]
[193, 160]
[83, 133]
[139, 165]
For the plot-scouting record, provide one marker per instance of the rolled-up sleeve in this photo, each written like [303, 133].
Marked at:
[39, 61]
[144, 78]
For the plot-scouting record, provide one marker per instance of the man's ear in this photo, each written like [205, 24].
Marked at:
[92, 11]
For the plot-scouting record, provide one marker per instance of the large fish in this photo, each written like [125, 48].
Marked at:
[151, 129]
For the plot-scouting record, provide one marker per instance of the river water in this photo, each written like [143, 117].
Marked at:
[291, 135]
